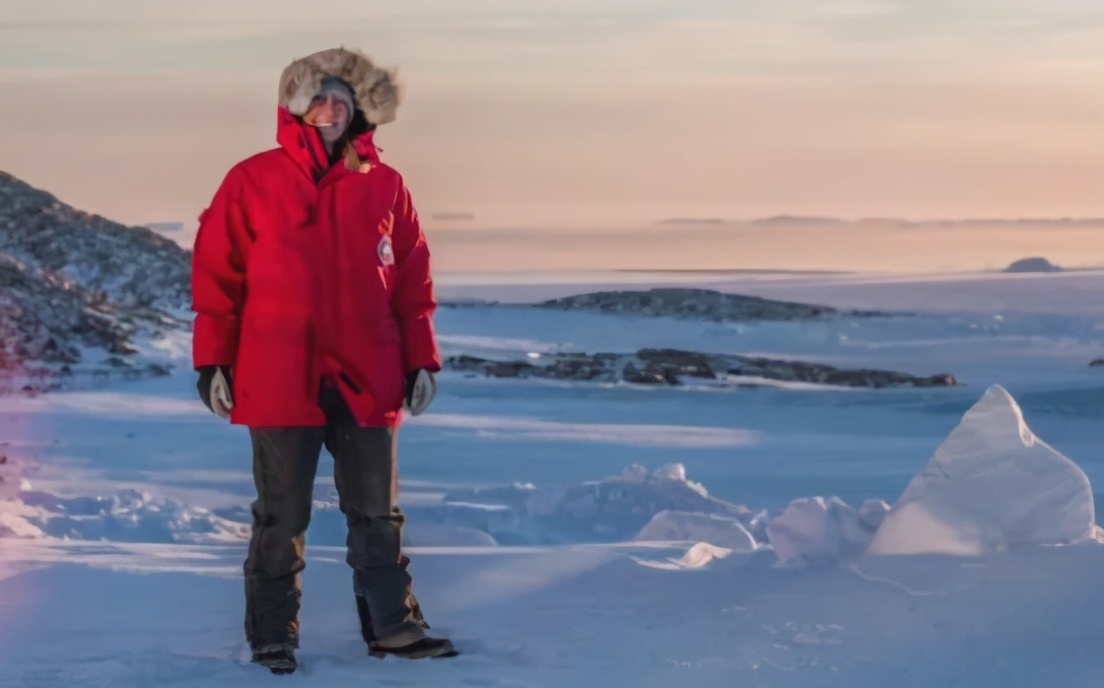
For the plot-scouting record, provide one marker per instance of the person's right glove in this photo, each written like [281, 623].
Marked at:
[216, 389]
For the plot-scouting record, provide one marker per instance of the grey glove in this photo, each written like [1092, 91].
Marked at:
[421, 387]
[216, 389]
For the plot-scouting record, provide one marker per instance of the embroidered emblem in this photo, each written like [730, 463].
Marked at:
[385, 252]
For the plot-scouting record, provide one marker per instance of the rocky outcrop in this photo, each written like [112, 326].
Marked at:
[72, 283]
[43, 317]
[675, 367]
[703, 304]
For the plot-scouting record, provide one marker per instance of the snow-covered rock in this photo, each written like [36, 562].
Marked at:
[815, 530]
[990, 485]
[723, 532]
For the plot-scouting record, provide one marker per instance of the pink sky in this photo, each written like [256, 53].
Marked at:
[573, 112]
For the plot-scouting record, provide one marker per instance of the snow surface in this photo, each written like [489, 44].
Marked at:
[605, 535]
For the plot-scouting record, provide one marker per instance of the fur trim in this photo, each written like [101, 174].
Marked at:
[376, 89]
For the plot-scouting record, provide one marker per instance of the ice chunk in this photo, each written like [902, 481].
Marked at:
[723, 532]
[815, 530]
[674, 471]
[698, 556]
[992, 483]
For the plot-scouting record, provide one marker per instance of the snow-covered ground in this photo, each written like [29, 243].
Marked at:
[614, 535]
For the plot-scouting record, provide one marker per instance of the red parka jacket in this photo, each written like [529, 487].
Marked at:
[302, 273]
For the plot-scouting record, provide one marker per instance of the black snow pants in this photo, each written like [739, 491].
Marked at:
[365, 472]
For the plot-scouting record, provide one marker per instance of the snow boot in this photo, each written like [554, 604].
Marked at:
[280, 659]
[411, 643]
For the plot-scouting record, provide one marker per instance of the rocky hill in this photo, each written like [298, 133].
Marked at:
[693, 303]
[123, 266]
[76, 289]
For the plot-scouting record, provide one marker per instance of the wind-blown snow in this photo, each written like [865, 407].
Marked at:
[991, 484]
[630, 434]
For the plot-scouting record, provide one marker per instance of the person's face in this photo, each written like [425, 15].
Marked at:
[330, 115]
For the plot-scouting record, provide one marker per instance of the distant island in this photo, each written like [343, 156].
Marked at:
[453, 217]
[797, 220]
[692, 221]
[1034, 264]
[776, 220]
[814, 220]
[165, 227]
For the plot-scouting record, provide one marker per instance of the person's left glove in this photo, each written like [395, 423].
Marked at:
[215, 388]
[421, 387]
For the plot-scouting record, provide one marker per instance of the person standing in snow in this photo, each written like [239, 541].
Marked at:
[314, 303]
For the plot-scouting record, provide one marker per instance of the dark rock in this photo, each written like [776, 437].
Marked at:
[672, 366]
[1096, 362]
[647, 376]
[1034, 264]
[689, 303]
[673, 362]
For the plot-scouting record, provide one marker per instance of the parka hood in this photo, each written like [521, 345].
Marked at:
[375, 89]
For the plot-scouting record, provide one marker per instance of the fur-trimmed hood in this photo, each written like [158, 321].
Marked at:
[375, 88]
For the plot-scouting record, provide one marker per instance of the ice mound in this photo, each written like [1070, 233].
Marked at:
[682, 525]
[991, 484]
[619, 506]
[815, 530]
[616, 508]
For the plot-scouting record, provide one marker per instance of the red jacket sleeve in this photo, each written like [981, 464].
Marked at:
[413, 298]
[218, 277]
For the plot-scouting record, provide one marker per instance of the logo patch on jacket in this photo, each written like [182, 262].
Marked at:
[385, 252]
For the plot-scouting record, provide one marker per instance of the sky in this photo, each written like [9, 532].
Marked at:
[571, 112]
